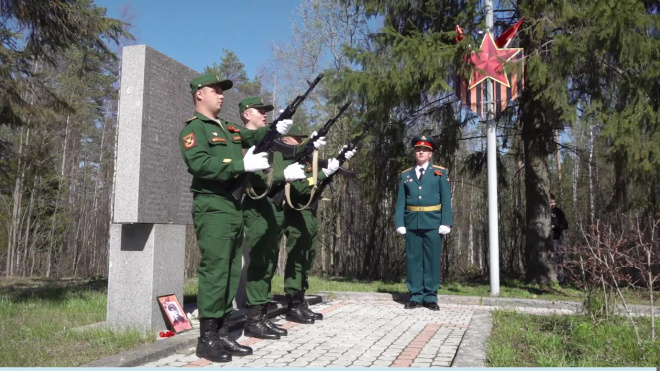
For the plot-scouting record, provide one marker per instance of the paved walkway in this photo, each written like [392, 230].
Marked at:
[354, 333]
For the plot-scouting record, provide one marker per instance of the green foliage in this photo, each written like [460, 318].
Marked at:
[521, 340]
[40, 320]
[34, 31]
[233, 69]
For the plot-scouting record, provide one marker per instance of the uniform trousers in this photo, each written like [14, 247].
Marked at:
[218, 225]
[423, 254]
[263, 225]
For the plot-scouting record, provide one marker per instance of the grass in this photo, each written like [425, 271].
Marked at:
[508, 289]
[39, 317]
[522, 340]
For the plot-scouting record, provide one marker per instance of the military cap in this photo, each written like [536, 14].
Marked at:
[424, 141]
[296, 131]
[209, 79]
[254, 102]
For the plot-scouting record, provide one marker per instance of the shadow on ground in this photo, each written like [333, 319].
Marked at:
[57, 289]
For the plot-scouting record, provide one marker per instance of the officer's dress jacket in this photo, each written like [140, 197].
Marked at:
[431, 191]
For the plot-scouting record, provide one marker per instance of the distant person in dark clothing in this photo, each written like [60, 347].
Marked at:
[558, 224]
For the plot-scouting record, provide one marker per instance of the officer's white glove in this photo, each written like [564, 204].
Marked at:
[333, 166]
[254, 162]
[444, 229]
[294, 172]
[401, 231]
[318, 142]
[349, 154]
[283, 126]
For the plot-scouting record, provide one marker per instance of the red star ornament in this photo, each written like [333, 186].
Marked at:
[489, 62]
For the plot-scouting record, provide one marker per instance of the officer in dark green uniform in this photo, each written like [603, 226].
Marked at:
[263, 223]
[300, 227]
[213, 151]
[423, 213]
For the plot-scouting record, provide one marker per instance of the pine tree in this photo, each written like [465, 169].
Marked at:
[233, 69]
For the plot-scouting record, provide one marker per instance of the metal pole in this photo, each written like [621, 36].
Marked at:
[491, 151]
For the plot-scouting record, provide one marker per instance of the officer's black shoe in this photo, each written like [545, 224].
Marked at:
[412, 305]
[230, 345]
[432, 306]
[271, 326]
[255, 326]
[208, 344]
[294, 311]
[305, 308]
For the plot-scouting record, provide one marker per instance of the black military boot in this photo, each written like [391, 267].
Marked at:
[255, 326]
[228, 343]
[208, 344]
[305, 308]
[294, 312]
[271, 326]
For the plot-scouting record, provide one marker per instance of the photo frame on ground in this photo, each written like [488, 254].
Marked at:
[175, 317]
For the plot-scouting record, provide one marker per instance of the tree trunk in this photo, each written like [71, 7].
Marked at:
[537, 138]
[592, 214]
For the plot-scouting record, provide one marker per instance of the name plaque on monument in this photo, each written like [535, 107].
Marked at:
[151, 181]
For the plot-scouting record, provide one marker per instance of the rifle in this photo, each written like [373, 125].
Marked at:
[306, 154]
[341, 157]
[269, 142]
[323, 163]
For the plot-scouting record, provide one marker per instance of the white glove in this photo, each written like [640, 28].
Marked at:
[333, 166]
[254, 162]
[294, 172]
[349, 154]
[401, 231]
[318, 142]
[283, 126]
[444, 229]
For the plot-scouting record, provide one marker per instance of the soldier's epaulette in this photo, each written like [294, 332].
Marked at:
[406, 170]
[439, 167]
[190, 119]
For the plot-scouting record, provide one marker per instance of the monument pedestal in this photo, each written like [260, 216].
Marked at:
[152, 198]
[146, 261]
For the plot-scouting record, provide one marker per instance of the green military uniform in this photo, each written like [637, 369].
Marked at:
[300, 228]
[263, 223]
[422, 207]
[213, 152]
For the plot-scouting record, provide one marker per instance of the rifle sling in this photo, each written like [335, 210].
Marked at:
[315, 173]
[269, 181]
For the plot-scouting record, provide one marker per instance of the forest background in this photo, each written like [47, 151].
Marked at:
[586, 128]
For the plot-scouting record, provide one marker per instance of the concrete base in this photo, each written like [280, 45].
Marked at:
[146, 261]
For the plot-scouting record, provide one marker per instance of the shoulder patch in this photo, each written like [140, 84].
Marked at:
[189, 141]
[439, 167]
[190, 119]
[406, 170]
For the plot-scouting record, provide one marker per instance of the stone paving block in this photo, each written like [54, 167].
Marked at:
[376, 335]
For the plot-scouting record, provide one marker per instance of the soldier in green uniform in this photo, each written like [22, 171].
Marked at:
[213, 151]
[300, 227]
[263, 224]
[423, 213]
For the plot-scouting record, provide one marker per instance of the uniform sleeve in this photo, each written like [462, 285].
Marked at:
[253, 137]
[194, 146]
[445, 198]
[400, 205]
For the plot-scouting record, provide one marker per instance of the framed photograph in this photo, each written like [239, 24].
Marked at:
[175, 317]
